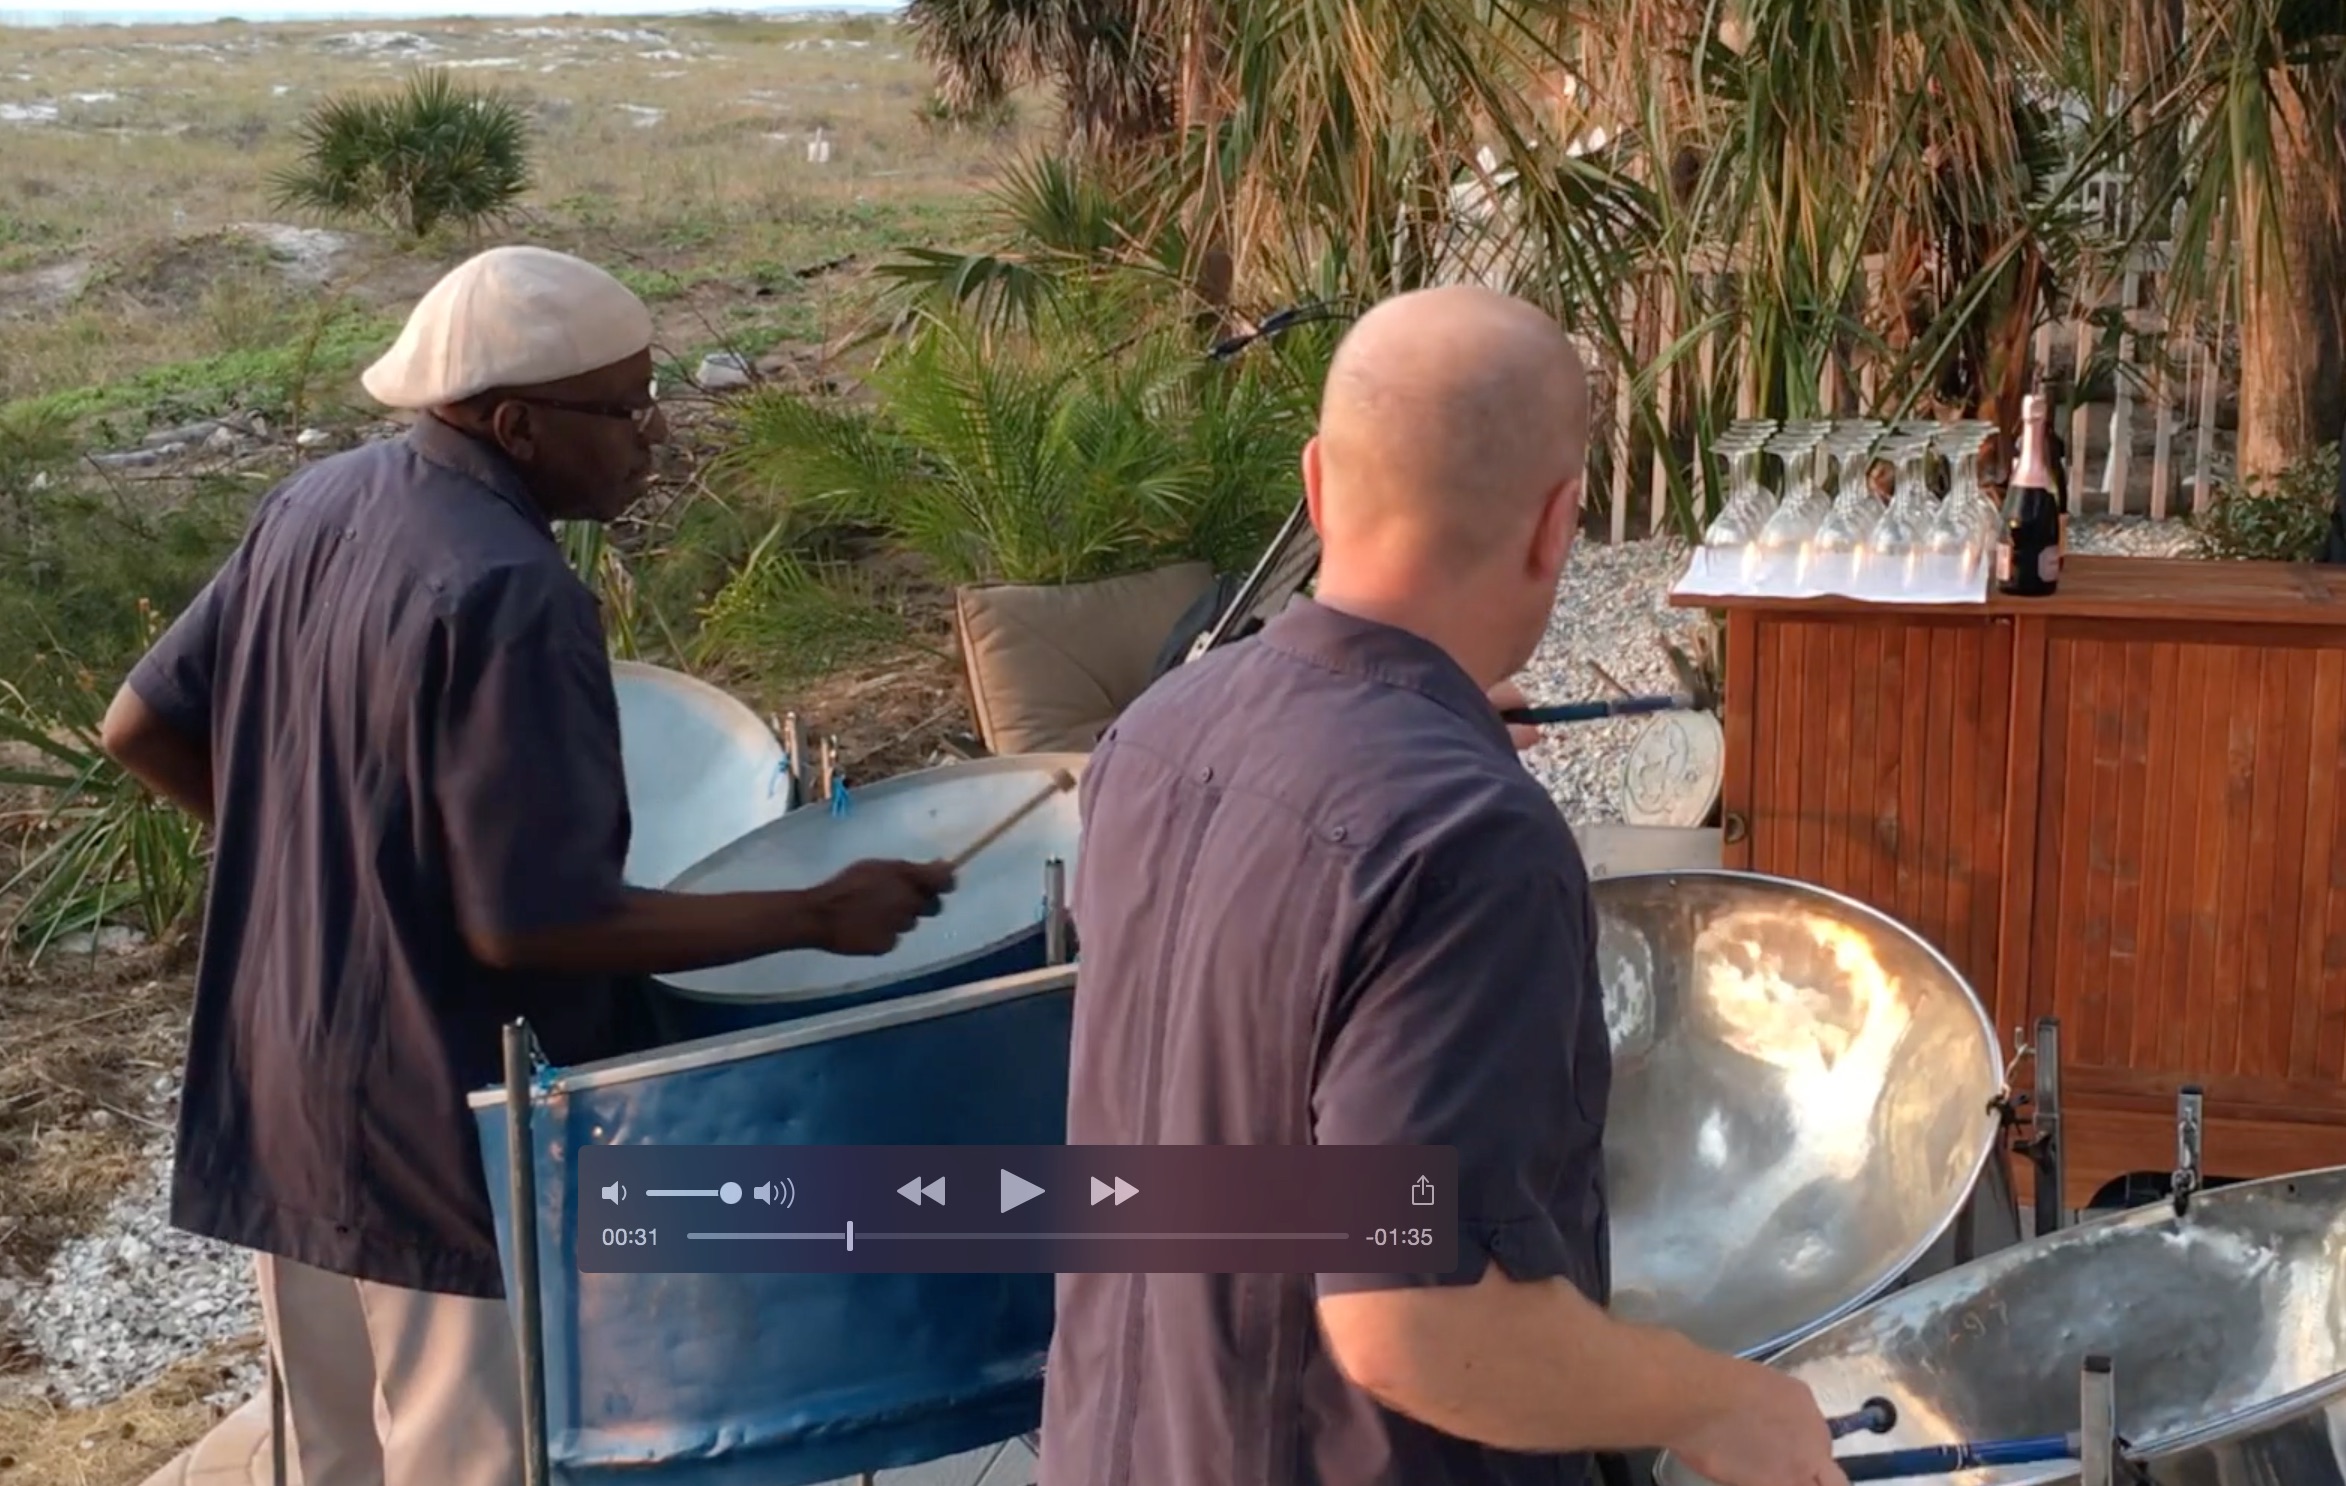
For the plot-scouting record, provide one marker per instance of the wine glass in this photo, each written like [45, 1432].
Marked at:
[1891, 548]
[1748, 505]
[1967, 524]
[1841, 537]
[1776, 553]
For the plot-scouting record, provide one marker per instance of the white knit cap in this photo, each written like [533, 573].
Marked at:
[511, 317]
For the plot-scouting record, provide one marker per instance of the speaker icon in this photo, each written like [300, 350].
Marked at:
[782, 1192]
[613, 1191]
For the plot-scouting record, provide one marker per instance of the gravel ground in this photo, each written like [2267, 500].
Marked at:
[119, 1307]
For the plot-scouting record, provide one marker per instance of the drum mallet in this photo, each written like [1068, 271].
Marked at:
[1940, 1460]
[1876, 1416]
[1695, 694]
[2096, 1444]
[1061, 780]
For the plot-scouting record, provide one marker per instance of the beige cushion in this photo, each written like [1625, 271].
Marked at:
[1050, 666]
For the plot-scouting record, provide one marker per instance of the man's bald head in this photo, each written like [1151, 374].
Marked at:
[1449, 416]
[1445, 478]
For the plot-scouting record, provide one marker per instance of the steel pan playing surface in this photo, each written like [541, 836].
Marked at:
[702, 770]
[1802, 1102]
[927, 815]
[2227, 1329]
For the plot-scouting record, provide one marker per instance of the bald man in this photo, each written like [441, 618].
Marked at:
[393, 705]
[1322, 902]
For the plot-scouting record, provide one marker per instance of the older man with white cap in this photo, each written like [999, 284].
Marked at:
[394, 706]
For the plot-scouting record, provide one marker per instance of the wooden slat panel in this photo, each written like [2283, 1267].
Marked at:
[2188, 810]
[1884, 771]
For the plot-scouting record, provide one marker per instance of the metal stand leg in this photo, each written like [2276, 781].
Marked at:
[522, 1188]
[276, 1422]
[1055, 912]
[2188, 1124]
[2097, 1424]
[2043, 1146]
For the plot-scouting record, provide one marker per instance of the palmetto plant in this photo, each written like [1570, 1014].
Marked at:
[99, 848]
[1050, 457]
[433, 152]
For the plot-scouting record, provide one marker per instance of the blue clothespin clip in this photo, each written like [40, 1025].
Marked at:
[839, 797]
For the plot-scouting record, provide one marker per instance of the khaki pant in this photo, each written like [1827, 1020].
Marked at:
[391, 1387]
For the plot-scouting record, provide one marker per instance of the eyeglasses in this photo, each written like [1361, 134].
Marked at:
[640, 414]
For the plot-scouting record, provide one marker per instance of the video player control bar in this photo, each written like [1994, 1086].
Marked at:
[1017, 1209]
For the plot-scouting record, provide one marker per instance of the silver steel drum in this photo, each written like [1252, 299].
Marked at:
[702, 770]
[2226, 1327]
[992, 921]
[1803, 1102]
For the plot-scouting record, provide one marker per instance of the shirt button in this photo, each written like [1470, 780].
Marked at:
[1336, 833]
[1206, 775]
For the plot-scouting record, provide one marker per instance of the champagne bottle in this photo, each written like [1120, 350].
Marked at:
[2028, 560]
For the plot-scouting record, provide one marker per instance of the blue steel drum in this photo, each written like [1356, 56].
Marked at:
[702, 770]
[992, 923]
[779, 1379]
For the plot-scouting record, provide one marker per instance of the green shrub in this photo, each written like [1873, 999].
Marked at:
[1040, 458]
[100, 849]
[433, 152]
[2283, 518]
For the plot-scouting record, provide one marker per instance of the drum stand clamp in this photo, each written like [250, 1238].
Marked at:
[2039, 1110]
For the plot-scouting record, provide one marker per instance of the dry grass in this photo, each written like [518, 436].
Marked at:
[120, 1443]
[82, 1041]
[674, 148]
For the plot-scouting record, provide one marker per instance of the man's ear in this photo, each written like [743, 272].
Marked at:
[1311, 482]
[514, 429]
[1559, 524]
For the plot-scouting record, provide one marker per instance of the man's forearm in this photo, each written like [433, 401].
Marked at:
[1534, 1367]
[654, 933]
[173, 767]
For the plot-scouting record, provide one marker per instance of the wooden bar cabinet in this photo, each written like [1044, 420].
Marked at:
[2120, 805]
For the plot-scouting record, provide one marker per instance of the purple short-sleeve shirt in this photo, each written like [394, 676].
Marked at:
[408, 704]
[1321, 901]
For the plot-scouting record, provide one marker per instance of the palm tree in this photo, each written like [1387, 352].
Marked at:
[1838, 197]
[1109, 71]
[2244, 126]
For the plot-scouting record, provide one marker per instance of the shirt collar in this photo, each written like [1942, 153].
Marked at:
[1384, 655]
[460, 453]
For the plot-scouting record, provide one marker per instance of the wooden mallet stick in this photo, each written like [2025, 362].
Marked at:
[1060, 780]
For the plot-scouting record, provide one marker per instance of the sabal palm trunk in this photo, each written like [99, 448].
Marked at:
[2293, 319]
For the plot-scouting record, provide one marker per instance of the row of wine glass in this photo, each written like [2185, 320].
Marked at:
[1824, 530]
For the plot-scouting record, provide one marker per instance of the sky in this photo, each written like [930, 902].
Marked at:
[153, 12]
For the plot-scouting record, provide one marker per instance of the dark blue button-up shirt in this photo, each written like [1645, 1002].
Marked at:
[1321, 901]
[408, 702]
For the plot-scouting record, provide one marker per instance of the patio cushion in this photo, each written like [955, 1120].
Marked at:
[1050, 666]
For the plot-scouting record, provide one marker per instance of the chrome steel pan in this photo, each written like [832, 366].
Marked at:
[2227, 1329]
[931, 814]
[1803, 1098]
[702, 770]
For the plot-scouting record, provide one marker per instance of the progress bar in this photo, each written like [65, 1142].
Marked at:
[1042, 1237]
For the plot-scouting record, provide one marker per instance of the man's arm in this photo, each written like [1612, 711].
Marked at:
[1463, 1012]
[161, 757]
[532, 801]
[159, 725]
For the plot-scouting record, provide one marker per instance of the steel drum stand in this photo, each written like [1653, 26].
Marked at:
[521, 1175]
[2039, 1111]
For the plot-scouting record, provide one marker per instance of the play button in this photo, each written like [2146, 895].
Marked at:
[1123, 1189]
[1017, 1189]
